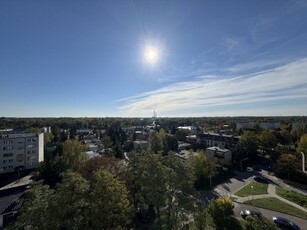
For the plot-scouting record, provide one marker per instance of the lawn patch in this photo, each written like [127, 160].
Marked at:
[295, 197]
[258, 189]
[277, 205]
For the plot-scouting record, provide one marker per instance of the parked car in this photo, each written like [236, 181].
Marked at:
[249, 169]
[246, 213]
[284, 223]
[260, 179]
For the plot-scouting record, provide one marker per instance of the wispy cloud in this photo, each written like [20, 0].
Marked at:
[280, 84]
[257, 65]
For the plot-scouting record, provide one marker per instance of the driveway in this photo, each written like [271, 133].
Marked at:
[234, 184]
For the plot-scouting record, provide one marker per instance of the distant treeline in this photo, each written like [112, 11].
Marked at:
[100, 123]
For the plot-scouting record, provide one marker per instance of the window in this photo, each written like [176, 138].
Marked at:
[7, 161]
[7, 154]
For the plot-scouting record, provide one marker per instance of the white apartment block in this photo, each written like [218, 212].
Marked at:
[273, 125]
[244, 125]
[20, 150]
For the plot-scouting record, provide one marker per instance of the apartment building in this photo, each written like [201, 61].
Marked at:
[218, 140]
[24, 150]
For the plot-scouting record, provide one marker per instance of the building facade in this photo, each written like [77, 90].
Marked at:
[219, 156]
[22, 151]
[218, 140]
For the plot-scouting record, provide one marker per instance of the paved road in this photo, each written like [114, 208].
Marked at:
[269, 214]
[234, 184]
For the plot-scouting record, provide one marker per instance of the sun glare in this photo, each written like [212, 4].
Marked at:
[151, 55]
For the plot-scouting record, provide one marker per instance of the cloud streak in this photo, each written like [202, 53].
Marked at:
[281, 85]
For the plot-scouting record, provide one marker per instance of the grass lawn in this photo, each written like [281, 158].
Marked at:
[277, 205]
[258, 189]
[295, 197]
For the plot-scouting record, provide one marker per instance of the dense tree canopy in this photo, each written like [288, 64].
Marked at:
[73, 154]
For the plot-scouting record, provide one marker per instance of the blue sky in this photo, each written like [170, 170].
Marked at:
[215, 58]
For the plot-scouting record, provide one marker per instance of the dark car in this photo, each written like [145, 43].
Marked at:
[284, 223]
[260, 179]
[246, 213]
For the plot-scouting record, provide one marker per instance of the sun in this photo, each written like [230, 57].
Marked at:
[151, 55]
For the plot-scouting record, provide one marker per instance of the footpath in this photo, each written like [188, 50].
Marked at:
[271, 193]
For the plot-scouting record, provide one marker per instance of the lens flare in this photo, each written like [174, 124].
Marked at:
[151, 55]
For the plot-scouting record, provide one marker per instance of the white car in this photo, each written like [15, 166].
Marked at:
[249, 169]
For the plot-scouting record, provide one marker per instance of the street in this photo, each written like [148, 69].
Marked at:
[228, 188]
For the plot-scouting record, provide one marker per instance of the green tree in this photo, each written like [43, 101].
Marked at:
[48, 137]
[267, 140]
[110, 207]
[155, 142]
[35, 211]
[170, 143]
[201, 165]
[221, 210]
[94, 164]
[263, 223]
[50, 171]
[166, 183]
[181, 134]
[69, 205]
[286, 165]
[202, 218]
[107, 143]
[180, 192]
[73, 154]
[248, 142]
[302, 145]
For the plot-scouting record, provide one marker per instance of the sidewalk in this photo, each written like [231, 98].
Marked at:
[271, 193]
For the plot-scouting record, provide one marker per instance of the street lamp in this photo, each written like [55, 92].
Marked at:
[253, 197]
[303, 162]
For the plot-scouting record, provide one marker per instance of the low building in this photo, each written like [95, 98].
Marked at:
[20, 151]
[219, 156]
[191, 129]
[9, 204]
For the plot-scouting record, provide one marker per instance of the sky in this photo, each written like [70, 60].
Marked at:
[77, 58]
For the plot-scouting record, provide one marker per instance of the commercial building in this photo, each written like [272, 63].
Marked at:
[22, 150]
